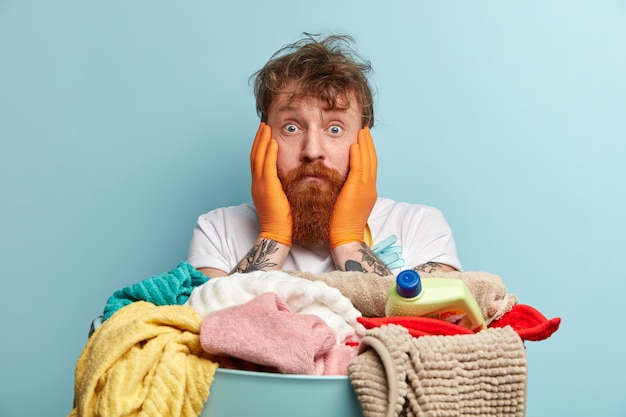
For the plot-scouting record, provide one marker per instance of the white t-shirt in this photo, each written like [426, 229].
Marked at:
[224, 236]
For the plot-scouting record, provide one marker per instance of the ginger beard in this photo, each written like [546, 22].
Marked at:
[311, 202]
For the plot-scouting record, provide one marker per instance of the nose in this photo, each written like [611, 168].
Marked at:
[312, 147]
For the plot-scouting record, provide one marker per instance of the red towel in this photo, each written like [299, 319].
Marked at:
[528, 322]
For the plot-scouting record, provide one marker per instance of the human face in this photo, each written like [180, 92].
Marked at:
[307, 133]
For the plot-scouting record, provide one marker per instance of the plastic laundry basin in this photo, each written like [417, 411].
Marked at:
[237, 393]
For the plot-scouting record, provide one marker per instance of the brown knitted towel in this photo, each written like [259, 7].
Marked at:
[483, 374]
[368, 291]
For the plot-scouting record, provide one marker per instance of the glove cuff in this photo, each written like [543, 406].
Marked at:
[339, 242]
[276, 238]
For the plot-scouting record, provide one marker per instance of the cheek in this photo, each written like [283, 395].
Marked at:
[343, 170]
[286, 160]
[342, 160]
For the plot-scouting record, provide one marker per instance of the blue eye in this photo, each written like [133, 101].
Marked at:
[335, 130]
[291, 128]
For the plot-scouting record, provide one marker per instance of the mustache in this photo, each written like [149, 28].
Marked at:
[317, 169]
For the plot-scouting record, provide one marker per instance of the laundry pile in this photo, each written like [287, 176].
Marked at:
[162, 339]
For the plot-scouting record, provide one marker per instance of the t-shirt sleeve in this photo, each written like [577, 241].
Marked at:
[427, 238]
[222, 237]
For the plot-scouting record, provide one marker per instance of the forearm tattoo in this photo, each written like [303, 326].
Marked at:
[368, 259]
[429, 267]
[258, 258]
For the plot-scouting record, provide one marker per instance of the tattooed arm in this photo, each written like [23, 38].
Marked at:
[357, 256]
[430, 267]
[265, 255]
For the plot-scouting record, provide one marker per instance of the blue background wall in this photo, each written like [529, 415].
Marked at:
[122, 121]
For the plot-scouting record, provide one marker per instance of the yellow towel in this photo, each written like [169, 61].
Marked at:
[145, 360]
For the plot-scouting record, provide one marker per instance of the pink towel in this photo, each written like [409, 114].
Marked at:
[264, 331]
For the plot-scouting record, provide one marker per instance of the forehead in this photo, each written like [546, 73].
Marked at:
[287, 102]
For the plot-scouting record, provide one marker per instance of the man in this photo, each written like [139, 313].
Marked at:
[314, 167]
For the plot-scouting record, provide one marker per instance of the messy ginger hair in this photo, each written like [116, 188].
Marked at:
[328, 69]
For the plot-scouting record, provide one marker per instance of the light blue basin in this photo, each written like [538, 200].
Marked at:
[237, 393]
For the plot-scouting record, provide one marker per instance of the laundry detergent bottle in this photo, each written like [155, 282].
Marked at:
[446, 299]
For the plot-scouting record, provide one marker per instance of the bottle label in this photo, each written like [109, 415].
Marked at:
[452, 316]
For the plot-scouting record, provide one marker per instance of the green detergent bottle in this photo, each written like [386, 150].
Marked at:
[446, 299]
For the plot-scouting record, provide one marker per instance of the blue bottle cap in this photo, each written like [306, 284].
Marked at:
[408, 284]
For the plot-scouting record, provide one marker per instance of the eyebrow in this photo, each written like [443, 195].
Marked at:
[287, 107]
[296, 109]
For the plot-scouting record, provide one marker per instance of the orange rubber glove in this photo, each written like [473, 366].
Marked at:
[358, 194]
[271, 203]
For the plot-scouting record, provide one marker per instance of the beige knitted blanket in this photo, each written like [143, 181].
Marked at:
[368, 292]
[484, 374]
